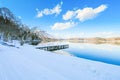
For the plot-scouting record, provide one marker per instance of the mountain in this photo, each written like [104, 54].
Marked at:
[7, 14]
[11, 28]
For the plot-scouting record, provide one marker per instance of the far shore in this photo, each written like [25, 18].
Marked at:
[96, 40]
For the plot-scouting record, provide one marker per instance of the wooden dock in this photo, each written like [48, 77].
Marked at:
[54, 47]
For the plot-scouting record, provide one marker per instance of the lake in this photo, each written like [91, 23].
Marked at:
[107, 53]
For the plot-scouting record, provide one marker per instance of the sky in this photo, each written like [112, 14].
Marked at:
[69, 18]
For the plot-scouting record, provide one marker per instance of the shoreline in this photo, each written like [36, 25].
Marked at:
[62, 52]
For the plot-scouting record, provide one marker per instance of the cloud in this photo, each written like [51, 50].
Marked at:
[84, 14]
[68, 15]
[62, 26]
[102, 34]
[106, 34]
[56, 10]
[86, 34]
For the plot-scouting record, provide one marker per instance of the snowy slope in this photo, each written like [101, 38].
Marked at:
[27, 63]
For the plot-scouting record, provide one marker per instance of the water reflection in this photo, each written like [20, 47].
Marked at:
[108, 53]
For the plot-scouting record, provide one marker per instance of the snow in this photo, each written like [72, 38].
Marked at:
[52, 44]
[28, 63]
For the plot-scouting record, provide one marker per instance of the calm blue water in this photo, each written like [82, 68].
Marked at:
[106, 53]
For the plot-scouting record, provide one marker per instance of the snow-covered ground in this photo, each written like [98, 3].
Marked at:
[28, 63]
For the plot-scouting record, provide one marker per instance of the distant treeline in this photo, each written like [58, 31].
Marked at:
[95, 40]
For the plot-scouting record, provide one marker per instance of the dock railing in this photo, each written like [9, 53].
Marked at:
[54, 47]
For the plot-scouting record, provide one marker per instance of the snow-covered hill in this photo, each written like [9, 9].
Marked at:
[6, 13]
[27, 63]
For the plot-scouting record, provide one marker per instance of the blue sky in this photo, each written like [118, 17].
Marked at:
[69, 18]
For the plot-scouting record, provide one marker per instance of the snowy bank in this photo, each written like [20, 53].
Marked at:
[28, 63]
